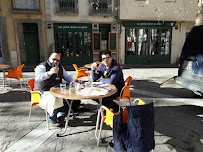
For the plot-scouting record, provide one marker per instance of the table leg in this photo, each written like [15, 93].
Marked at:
[71, 109]
[66, 125]
[3, 78]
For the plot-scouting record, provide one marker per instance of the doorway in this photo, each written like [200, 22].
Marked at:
[1, 50]
[31, 42]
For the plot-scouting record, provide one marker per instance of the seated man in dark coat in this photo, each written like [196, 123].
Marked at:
[111, 73]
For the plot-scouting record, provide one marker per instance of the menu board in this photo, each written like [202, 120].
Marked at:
[96, 41]
[112, 41]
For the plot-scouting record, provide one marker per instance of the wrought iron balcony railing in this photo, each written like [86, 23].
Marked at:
[100, 7]
[26, 5]
[66, 6]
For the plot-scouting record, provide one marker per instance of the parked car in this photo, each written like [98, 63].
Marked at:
[190, 72]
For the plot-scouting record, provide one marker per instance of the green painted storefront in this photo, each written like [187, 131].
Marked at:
[147, 42]
[73, 42]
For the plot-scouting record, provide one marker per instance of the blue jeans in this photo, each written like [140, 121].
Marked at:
[62, 111]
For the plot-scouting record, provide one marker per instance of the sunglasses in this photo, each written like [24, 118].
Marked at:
[56, 60]
[103, 59]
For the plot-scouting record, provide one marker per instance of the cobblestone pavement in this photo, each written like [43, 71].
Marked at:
[178, 123]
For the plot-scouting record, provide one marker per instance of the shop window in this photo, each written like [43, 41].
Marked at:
[69, 44]
[59, 43]
[78, 43]
[131, 41]
[0, 46]
[154, 42]
[101, 7]
[26, 5]
[66, 6]
[87, 43]
[142, 43]
[165, 36]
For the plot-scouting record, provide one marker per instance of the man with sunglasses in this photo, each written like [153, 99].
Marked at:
[111, 73]
[46, 74]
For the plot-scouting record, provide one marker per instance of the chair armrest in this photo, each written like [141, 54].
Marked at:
[34, 92]
[107, 110]
[81, 68]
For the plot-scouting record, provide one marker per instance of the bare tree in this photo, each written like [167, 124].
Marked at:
[199, 17]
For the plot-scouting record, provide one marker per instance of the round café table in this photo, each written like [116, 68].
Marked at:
[4, 67]
[73, 96]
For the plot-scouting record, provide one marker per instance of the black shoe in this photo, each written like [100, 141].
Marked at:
[61, 120]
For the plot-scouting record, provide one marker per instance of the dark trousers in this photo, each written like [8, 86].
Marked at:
[109, 103]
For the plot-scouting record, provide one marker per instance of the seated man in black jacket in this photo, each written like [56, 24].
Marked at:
[47, 75]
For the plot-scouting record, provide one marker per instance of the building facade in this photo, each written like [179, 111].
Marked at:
[22, 32]
[154, 31]
[135, 31]
[80, 29]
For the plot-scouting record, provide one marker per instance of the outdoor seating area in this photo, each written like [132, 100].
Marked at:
[91, 91]
[81, 130]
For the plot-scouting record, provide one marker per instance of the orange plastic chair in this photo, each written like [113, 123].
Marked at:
[35, 99]
[16, 73]
[107, 119]
[80, 71]
[125, 92]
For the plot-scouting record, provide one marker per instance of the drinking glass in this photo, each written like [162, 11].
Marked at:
[97, 62]
[57, 78]
[63, 87]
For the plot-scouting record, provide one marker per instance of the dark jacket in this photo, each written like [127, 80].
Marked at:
[137, 134]
[50, 82]
[113, 75]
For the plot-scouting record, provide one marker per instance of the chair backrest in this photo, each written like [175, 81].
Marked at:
[31, 83]
[108, 118]
[20, 67]
[75, 66]
[126, 91]
[128, 80]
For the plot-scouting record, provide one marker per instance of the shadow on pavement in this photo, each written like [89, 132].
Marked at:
[182, 124]
[165, 89]
[15, 96]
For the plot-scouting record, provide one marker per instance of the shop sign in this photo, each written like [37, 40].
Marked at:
[71, 27]
[146, 24]
[149, 24]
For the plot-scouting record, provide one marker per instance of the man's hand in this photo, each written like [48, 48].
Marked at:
[53, 71]
[94, 66]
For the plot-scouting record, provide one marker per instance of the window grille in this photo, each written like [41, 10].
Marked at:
[66, 6]
[102, 7]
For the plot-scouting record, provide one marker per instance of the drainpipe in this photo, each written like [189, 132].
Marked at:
[118, 31]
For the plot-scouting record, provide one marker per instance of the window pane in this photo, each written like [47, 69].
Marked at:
[59, 43]
[165, 35]
[142, 45]
[131, 42]
[78, 43]
[87, 43]
[154, 42]
[69, 44]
